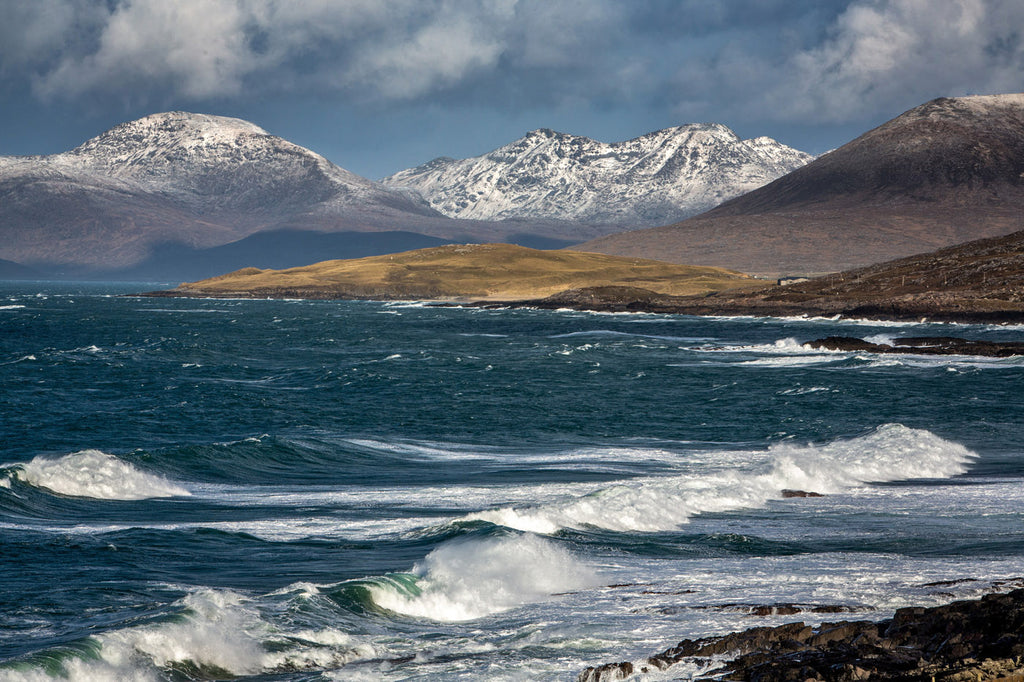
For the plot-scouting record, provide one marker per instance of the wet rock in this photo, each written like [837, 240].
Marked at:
[610, 672]
[783, 609]
[968, 640]
[799, 493]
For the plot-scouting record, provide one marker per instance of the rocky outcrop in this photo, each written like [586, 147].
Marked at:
[967, 640]
[923, 345]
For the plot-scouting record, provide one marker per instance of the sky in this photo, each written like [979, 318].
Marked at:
[377, 86]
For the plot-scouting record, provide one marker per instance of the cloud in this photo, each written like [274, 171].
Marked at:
[388, 50]
[877, 55]
[32, 33]
[146, 43]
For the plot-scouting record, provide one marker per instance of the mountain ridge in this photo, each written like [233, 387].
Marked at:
[650, 179]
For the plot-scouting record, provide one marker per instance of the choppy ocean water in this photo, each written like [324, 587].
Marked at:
[293, 490]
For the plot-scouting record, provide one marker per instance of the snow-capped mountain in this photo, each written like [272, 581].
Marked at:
[182, 178]
[654, 179]
[220, 163]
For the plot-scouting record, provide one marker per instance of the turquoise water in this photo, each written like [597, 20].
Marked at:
[293, 490]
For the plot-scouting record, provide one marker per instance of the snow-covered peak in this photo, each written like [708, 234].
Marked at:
[984, 103]
[656, 178]
[215, 165]
[176, 145]
[168, 137]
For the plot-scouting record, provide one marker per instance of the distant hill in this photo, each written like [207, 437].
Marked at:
[980, 281]
[463, 271]
[943, 173]
[276, 249]
[653, 179]
[11, 270]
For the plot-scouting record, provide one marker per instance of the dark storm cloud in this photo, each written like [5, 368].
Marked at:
[486, 69]
[785, 60]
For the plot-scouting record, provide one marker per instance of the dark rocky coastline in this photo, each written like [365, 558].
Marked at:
[979, 639]
[777, 302]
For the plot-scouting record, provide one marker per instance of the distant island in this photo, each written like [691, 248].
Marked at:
[980, 281]
[463, 273]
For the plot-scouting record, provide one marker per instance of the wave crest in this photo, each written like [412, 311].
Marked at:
[468, 579]
[94, 474]
[891, 452]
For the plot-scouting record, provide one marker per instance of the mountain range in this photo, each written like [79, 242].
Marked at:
[943, 173]
[654, 179]
[183, 196]
[154, 197]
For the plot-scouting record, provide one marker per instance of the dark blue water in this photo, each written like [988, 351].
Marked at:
[293, 490]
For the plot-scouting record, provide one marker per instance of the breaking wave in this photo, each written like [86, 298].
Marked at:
[468, 579]
[892, 452]
[93, 474]
[217, 634]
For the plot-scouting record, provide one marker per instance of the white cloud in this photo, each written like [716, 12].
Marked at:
[196, 47]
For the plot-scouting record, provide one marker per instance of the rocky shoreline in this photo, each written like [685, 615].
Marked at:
[981, 639]
[923, 345]
[774, 302]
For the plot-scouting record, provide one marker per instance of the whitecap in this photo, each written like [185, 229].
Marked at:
[94, 474]
[803, 390]
[217, 632]
[892, 452]
[469, 579]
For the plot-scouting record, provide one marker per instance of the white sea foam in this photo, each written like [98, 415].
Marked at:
[804, 390]
[632, 335]
[218, 631]
[890, 453]
[95, 474]
[11, 307]
[468, 579]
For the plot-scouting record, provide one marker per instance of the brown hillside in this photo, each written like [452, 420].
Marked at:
[981, 281]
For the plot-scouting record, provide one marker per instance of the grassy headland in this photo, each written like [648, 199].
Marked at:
[458, 272]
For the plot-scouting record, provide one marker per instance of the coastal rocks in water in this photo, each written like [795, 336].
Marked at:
[978, 640]
[788, 493]
[922, 345]
[784, 609]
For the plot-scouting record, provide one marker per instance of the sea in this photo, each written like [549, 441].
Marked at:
[202, 489]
